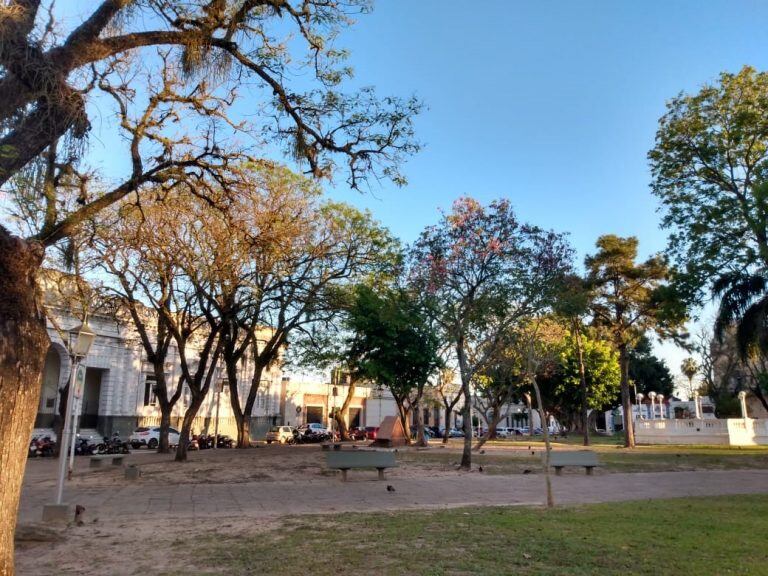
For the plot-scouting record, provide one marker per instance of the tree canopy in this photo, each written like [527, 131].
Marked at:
[710, 171]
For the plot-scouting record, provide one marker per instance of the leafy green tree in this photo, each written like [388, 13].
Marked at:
[710, 167]
[572, 305]
[630, 299]
[562, 386]
[395, 344]
[485, 270]
[710, 171]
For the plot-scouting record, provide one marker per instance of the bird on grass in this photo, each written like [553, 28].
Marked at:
[390, 488]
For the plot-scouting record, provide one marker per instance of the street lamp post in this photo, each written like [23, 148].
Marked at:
[81, 339]
[652, 396]
[660, 398]
[639, 399]
[219, 388]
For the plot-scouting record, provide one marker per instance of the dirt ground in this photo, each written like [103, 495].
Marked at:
[148, 543]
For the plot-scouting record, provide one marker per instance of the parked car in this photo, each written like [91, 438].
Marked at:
[357, 433]
[150, 437]
[455, 433]
[437, 431]
[504, 432]
[315, 427]
[279, 434]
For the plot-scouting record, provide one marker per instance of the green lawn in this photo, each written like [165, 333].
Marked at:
[724, 535]
[517, 457]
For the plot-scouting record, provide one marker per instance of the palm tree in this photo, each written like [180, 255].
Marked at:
[744, 306]
[689, 368]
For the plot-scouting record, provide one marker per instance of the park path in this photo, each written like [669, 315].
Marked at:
[364, 494]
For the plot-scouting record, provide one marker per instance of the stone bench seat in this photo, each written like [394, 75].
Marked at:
[586, 458]
[345, 460]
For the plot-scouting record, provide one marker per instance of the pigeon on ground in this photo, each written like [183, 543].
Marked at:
[479, 468]
[390, 488]
[482, 451]
[79, 511]
[526, 471]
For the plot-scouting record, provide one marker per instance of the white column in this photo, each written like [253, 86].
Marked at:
[743, 402]
[660, 397]
[696, 405]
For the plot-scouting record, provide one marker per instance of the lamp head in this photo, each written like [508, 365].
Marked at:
[81, 339]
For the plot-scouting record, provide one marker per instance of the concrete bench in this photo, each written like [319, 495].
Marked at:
[585, 458]
[96, 461]
[347, 459]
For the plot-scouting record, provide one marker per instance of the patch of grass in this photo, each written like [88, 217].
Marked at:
[722, 535]
[515, 458]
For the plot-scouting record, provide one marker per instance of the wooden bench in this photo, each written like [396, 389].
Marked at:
[585, 458]
[117, 460]
[346, 459]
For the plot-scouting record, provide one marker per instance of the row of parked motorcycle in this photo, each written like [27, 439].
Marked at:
[309, 436]
[206, 441]
[45, 447]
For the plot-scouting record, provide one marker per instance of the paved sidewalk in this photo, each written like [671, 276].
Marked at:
[363, 494]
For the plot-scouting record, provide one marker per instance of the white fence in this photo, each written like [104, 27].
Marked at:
[726, 432]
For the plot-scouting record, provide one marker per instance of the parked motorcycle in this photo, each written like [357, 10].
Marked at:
[41, 447]
[225, 441]
[114, 445]
[205, 441]
[83, 447]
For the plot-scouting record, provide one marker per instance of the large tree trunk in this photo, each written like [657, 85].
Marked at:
[466, 412]
[448, 412]
[186, 427]
[403, 413]
[243, 416]
[421, 439]
[166, 407]
[626, 401]
[23, 344]
[165, 423]
[491, 432]
[343, 412]
[243, 423]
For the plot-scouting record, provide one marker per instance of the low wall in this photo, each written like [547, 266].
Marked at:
[725, 432]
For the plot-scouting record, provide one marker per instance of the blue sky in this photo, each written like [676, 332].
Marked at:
[552, 104]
